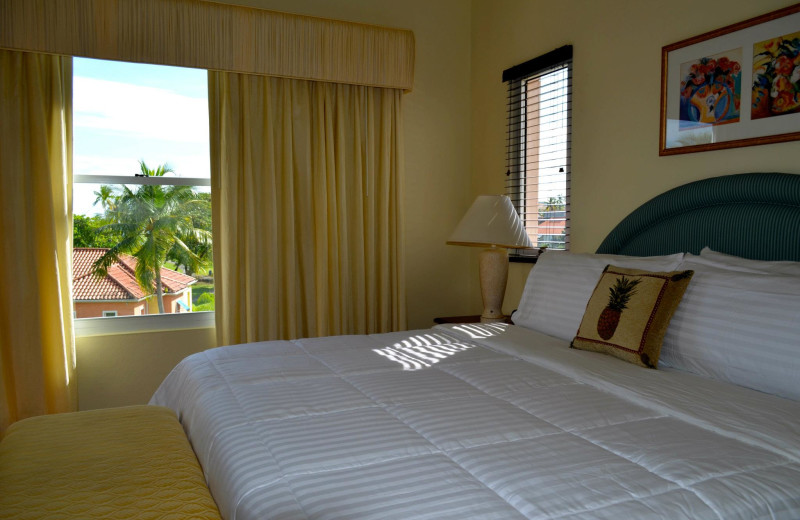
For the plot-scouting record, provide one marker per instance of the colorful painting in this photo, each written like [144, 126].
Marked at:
[701, 86]
[776, 76]
[711, 90]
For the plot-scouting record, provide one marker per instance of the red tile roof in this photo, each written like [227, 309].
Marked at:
[120, 283]
[553, 226]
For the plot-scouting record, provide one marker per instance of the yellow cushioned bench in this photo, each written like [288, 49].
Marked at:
[122, 463]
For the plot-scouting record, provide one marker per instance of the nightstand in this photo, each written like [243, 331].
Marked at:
[464, 319]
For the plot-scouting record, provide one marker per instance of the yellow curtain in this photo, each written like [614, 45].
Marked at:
[306, 187]
[37, 356]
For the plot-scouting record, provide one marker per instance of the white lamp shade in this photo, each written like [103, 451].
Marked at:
[491, 221]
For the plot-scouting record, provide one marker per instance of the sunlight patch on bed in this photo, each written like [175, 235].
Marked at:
[482, 330]
[421, 351]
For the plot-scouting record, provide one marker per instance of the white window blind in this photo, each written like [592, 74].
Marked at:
[538, 146]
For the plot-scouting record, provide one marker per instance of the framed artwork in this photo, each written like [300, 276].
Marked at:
[735, 86]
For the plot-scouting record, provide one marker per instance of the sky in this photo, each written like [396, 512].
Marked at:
[123, 112]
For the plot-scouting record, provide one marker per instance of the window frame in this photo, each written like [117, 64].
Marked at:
[136, 179]
[85, 327]
[516, 149]
[103, 325]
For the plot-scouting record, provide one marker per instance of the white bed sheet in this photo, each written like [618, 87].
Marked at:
[477, 422]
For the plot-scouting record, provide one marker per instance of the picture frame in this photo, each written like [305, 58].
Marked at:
[734, 86]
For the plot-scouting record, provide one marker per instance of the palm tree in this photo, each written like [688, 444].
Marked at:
[150, 222]
[158, 172]
[555, 204]
[202, 258]
[105, 196]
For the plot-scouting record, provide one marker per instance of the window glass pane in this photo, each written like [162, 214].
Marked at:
[547, 149]
[140, 249]
[124, 112]
[135, 218]
[538, 154]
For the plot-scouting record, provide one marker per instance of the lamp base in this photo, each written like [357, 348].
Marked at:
[493, 264]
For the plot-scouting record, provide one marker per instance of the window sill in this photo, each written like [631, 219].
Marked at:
[85, 327]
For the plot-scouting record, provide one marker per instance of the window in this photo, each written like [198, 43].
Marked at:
[141, 190]
[538, 147]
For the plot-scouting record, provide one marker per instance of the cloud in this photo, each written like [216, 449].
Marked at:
[138, 111]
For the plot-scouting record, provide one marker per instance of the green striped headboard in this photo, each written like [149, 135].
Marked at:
[753, 215]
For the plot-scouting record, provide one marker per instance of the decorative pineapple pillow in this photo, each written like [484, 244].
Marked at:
[628, 313]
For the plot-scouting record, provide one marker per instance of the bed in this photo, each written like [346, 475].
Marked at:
[507, 421]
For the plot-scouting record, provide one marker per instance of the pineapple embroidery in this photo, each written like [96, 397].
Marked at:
[620, 295]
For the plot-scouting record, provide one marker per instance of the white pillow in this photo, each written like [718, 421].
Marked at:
[560, 284]
[739, 327]
[737, 263]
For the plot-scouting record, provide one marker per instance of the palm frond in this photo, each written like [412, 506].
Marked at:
[158, 172]
[112, 256]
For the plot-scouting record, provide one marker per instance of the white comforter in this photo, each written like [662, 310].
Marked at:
[477, 422]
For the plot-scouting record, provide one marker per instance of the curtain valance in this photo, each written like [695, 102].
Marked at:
[195, 33]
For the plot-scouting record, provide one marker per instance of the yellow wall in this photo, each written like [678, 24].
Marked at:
[616, 95]
[123, 369]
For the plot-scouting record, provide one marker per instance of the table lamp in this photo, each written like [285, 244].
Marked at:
[493, 223]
